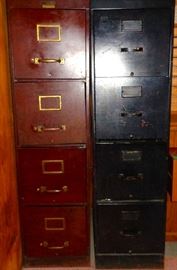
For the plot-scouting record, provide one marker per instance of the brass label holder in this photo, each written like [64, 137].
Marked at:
[56, 28]
[59, 162]
[48, 4]
[61, 222]
[58, 99]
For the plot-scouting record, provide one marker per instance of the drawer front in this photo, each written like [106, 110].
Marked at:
[130, 171]
[130, 228]
[44, 110]
[48, 43]
[132, 108]
[131, 42]
[50, 232]
[52, 175]
[48, 4]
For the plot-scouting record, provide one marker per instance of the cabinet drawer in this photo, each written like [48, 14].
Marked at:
[131, 42]
[48, 43]
[133, 228]
[130, 171]
[44, 110]
[132, 108]
[50, 232]
[48, 4]
[52, 176]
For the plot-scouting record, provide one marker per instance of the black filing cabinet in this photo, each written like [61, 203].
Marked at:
[131, 60]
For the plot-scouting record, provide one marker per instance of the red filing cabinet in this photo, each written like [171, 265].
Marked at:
[50, 112]
[59, 175]
[48, 44]
[55, 231]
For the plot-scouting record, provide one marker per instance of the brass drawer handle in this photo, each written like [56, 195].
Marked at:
[41, 128]
[46, 245]
[37, 60]
[43, 189]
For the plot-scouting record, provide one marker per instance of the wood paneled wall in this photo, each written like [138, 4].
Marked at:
[10, 251]
[171, 221]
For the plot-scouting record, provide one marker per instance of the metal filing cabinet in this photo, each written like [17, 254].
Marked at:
[131, 108]
[131, 60]
[49, 49]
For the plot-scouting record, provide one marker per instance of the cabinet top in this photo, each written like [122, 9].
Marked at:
[49, 4]
[130, 4]
[95, 4]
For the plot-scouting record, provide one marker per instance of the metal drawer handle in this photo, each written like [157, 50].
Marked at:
[137, 49]
[41, 128]
[127, 114]
[45, 244]
[138, 177]
[37, 60]
[43, 189]
[129, 233]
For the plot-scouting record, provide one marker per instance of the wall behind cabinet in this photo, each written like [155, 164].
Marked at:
[10, 251]
[171, 219]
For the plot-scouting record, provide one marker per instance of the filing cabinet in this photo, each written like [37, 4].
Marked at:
[132, 225]
[132, 108]
[44, 112]
[126, 42]
[131, 236]
[49, 42]
[49, 49]
[55, 231]
[131, 60]
[56, 175]
[130, 171]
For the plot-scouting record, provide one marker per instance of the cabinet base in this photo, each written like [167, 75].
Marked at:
[130, 261]
[81, 261]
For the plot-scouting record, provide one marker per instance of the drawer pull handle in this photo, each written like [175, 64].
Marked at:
[37, 61]
[43, 189]
[46, 245]
[129, 114]
[129, 233]
[138, 177]
[41, 128]
[137, 49]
